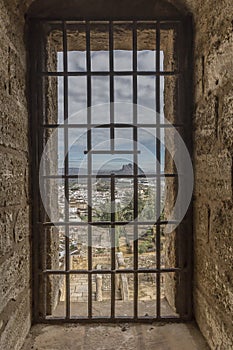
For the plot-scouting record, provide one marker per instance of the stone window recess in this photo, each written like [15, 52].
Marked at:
[91, 263]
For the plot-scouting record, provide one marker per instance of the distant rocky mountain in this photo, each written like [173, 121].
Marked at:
[127, 169]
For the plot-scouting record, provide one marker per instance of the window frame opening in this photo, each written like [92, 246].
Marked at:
[46, 297]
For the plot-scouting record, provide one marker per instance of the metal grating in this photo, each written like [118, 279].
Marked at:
[41, 220]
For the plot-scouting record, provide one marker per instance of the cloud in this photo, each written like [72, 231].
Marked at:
[123, 89]
[123, 92]
[123, 60]
[123, 86]
[76, 61]
[100, 61]
[146, 60]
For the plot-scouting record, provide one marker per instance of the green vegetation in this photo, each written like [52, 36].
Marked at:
[145, 246]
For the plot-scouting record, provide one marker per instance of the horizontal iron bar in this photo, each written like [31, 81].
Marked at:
[108, 223]
[122, 319]
[139, 24]
[106, 73]
[104, 24]
[105, 272]
[122, 19]
[111, 152]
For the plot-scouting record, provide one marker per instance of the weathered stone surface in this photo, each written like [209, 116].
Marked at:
[214, 328]
[205, 125]
[13, 124]
[226, 117]
[201, 217]
[14, 211]
[16, 323]
[117, 337]
[14, 228]
[7, 218]
[219, 64]
[213, 174]
[21, 229]
[13, 178]
[214, 171]
[15, 275]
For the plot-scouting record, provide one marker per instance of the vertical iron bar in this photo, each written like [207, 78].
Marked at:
[113, 245]
[66, 158]
[112, 142]
[39, 236]
[180, 240]
[158, 171]
[184, 240]
[89, 165]
[111, 68]
[186, 38]
[42, 141]
[135, 171]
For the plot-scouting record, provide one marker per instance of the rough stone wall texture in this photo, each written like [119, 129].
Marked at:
[213, 150]
[15, 305]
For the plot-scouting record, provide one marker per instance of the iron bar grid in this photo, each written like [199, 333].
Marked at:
[135, 176]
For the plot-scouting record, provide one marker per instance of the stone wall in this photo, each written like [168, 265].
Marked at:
[15, 304]
[213, 151]
[213, 169]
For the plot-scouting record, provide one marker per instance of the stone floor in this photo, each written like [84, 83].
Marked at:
[122, 309]
[115, 337]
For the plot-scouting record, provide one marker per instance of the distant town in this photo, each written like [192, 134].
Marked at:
[101, 208]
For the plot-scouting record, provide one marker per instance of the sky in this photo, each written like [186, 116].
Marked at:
[123, 109]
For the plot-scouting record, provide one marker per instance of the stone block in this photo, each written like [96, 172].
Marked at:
[13, 124]
[7, 218]
[201, 213]
[15, 275]
[205, 126]
[17, 324]
[213, 174]
[226, 118]
[214, 326]
[21, 227]
[219, 64]
[13, 179]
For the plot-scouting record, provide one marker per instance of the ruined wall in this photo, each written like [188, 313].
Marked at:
[15, 306]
